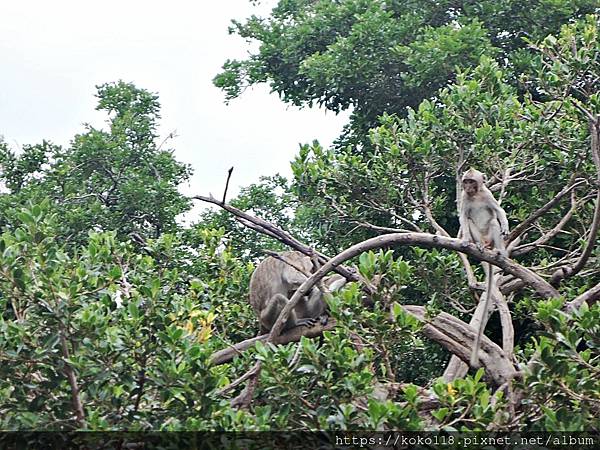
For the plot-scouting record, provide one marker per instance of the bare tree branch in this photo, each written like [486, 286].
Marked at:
[458, 337]
[292, 335]
[549, 235]
[227, 184]
[456, 368]
[569, 271]
[259, 225]
[519, 229]
[590, 296]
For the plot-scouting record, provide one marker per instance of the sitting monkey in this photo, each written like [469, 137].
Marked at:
[274, 282]
[483, 222]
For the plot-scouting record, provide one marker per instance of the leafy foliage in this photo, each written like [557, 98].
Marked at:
[564, 379]
[117, 179]
[382, 56]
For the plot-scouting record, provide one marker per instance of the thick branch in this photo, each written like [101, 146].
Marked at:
[590, 296]
[458, 337]
[456, 367]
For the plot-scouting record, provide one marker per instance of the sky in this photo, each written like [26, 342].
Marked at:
[54, 53]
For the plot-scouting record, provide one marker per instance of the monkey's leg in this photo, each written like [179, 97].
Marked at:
[315, 306]
[302, 314]
[497, 240]
[476, 235]
[478, 336]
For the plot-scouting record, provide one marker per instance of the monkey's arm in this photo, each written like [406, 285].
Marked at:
[273, 308]
[503, 220]
[271, 311]
[465, 231]
[500, 213]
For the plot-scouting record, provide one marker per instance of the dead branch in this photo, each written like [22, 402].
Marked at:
[257, 228]
[569, 271]
[519, 229]
[456, 368]
[458, 337]
[590, 296]
[292, 335]
[262, 226]
[508, 329]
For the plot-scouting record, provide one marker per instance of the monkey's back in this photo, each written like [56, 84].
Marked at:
[268, 278]
[264, 283]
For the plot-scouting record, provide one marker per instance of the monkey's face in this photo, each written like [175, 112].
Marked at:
[470, 187]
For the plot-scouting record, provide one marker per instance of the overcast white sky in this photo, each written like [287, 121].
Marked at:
[53, 53]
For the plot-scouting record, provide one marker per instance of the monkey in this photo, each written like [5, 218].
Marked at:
[483, 222]
[272, 284]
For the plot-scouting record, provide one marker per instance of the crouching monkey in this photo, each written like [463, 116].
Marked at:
[274, 282]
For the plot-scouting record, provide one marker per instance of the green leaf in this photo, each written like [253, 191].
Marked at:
[133, 309]
[440, 414]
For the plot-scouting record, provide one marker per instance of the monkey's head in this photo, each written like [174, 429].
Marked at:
[472, 181]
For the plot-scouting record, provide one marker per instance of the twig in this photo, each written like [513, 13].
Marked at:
[547, 236]
[227, 184]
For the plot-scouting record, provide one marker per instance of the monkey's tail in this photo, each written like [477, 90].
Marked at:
[486, 307]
